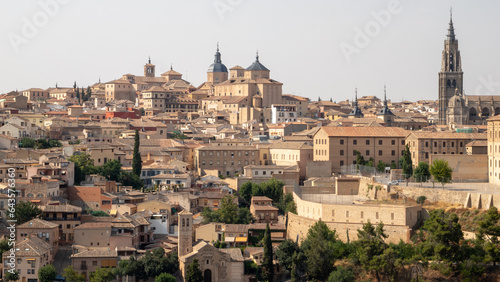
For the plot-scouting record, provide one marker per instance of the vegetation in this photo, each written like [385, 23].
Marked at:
[27, 142]
[26, 211]
[150, 265]
[72, 275]
[193, 272]
[11, 276]
[441, 172]
[272, 189]
[285, 252]
[99, 213]
[165, 277]
[381, 166]
[136, 159]
[47, 273]
[178, 135]
[267, 260]
[407, 164]
[102, 275]
[228, 213]
[421, 172]
[84, 166]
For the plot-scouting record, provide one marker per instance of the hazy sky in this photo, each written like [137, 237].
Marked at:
[305, 44]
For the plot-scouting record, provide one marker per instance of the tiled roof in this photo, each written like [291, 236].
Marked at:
[96, 253]
[91, 225]
[32, 246]
[236, 228]
[38, 223]
[448, 135]
[261, 198]
[235, 254]
[62, 208]
[364, 131]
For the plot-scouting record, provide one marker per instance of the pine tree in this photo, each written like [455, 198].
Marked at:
[193, 272]
[136, 160]
[267, 260]
[74, 85]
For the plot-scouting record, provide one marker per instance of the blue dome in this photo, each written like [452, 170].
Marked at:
[217, 66]
[257, 65]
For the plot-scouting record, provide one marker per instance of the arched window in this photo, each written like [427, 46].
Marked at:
[472, 112]
[448, 83]
[187, 222]
[485, 112]
[454, 83]
[183, 222]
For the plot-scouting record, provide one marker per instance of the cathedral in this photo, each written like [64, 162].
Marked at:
[456, 108]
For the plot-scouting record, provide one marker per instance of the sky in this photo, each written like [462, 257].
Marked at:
[316, 48]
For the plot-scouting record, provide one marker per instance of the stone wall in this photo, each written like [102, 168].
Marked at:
[466, 167]
[298, 227]
[347, 186]
[318, 169]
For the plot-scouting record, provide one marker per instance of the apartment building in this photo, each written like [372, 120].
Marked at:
[45, 230]
[339, 144]
[424, 144]
[224, 160]
[263, 211]
[67, 217]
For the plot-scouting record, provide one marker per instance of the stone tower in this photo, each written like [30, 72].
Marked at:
[217, 72]
[457, 112]
[451, 75]
[185, 233]
[149, 69]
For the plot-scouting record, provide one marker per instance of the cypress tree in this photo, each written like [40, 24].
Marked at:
[136, 160]
[267, 260]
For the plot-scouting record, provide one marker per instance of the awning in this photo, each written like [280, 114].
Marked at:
[112, 212]
[241, 239]
[229, 239]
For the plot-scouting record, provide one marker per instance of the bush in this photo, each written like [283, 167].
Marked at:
[421, 200]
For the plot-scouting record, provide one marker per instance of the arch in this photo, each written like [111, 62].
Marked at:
[472, 113]
[448, 83]
[30, 195]
[497, 111]
[485, 113]
[454, 83]
[39, 195]
[207, 275]
[183, 222]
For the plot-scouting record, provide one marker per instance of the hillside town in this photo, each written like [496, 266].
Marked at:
[152, 177]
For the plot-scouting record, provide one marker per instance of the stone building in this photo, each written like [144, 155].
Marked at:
[339, 144]
[225, 160]
[215, 264]
[494, 150]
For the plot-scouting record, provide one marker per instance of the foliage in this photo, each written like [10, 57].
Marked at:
[267, 260]
[443, 236]
[9, 276]
[178, 135]
[150, 265]
[421, 172]
[381, 166]
[341, 275]
[102, 275]
[441, 171]
[488, 233]
[360, 160]
[193, 272]
[228, 213]
[318, 247]
[4, 246]
[286, 204]
[136, 159]
[99, 213]
[111, 170]
[26, 211]
[39, 144]
[251, 268]
[421, 200]
[165, 277]
[72, 275]
[407, 164]
[27, 142]
[131, 179]
[47, 273]
[284, 253]
[272, 189]
[84, 166]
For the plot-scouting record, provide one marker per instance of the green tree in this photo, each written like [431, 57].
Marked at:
[246, 190]
[421, 172]
[319, 250]
[88, 95]
[136, 159]
[47, 273]
[26, 211]
[341, 275]
[360, 160]
[102, 275]
[4, 246]
[111, 170]
[78, 94]
[370, 248]
[165, 277]
[284, 254]
[11, 276]
[74, 85]
[441, 172]
[272, 189]
[488, 234]
[228, 213]
[443, 234]
[72, 275]
[381, 166]
[84, 166]
[99, 213]
[267, 260]
[193, 272]
[407, 164]
[130, 179]
[27, 142]
[286, 204]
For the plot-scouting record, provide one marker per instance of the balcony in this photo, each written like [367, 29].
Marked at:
[83, 267]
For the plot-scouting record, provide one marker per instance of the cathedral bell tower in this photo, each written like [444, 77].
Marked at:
[451, 75]
[185, 245]
[149, 69]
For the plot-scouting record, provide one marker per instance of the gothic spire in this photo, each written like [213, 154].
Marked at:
[385, 97]
[217, 55]
[451, 29]
[257, 57]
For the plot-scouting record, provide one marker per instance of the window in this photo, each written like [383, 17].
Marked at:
[341, 141]
[362, 214]
[367, 142]
[333, 213]
[341, 163]
[380, 142]
[346, 213]
[367, 152]
[393, 142]
[393, 152]
[380, 152]
[355, 142]
[354, 152]
[341, 152]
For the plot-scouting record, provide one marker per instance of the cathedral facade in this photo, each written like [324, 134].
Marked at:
[456, 108]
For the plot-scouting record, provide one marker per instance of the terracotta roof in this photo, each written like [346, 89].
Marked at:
[96, 253]
[477, 143]
[38, 223]
[364, 131]
[236, 228]
[261, 198]
[32, 246]
[62, 208]
[91, 225]
[448, 135]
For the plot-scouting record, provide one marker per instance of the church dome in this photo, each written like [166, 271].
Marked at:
[217, 66]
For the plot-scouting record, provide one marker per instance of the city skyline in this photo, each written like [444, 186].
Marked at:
[315, 56]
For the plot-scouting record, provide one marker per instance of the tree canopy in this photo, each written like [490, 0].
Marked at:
[47, 273]
[228, 213]
[441, 172]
